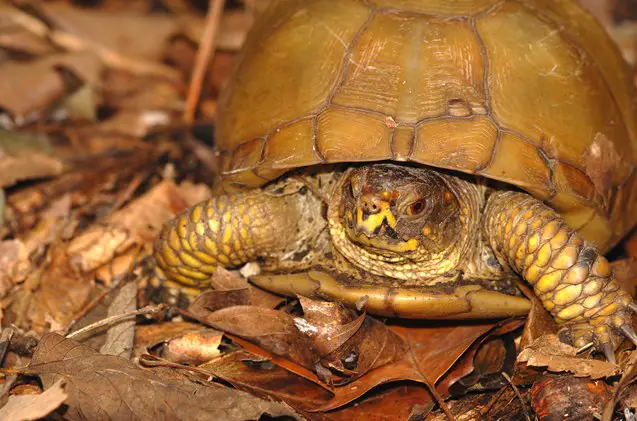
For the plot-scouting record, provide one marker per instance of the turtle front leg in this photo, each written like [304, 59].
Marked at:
[232, 230]
[574, 282]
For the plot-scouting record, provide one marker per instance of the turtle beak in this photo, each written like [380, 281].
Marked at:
[372, 212]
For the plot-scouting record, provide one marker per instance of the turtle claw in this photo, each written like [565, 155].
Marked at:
[608, 351]
[629, 332]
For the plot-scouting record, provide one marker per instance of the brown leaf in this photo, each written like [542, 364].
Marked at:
[328, 324]
[108, 386]
[33, 87]
[137, 223]
[482, 365]
[193, 348]
[232, 289]
[350, 344]
[225, 280]
[432, 351]
[149, 336]
[14, 264]
[34, 407]
[259, 376]
[119, 337]
[429, 345]
[272, 330]
[538, 323]
[26, 167]
[25, 156]
[54, 293]
[548, 351]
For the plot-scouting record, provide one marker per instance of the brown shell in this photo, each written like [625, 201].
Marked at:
[530, 92]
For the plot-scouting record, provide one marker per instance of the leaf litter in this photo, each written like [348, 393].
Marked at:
[95, 154]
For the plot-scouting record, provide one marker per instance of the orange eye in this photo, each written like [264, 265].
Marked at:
[416, 208]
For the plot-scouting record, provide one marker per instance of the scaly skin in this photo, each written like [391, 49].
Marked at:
[231, 230]
[283, 226]
[573, 281]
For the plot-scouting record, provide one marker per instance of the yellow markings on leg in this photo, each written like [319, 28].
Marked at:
[571, 312]
[592, 301]
[567, 294]
[210, 246]
[195, 213]
[566, 258]
[573, 281]
[189, 260]
[227, 234]
[548, 282]
[601, 268]
[182, 226]
[576, 275]
[543, 256]
[173, 239]
[534, 242]
[592, 287]
[213, 224]
[169, 255]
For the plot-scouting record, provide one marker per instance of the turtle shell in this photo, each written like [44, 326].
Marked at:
[529, 92]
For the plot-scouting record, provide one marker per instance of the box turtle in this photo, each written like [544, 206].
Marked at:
[415, 157]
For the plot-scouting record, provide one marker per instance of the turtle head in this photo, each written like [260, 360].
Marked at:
[394, 210]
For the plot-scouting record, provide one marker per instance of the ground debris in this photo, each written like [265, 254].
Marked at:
[100, 145]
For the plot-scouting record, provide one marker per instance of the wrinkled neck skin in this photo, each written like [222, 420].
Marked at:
[444, 243]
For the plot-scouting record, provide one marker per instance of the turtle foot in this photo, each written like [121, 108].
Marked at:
[606, 328]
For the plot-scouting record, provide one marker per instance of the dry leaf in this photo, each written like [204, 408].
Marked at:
[548, 351]
[106, 386]
[24, 156]
[272, 330]
[231, 289]
[137, 223]
[34, 407]
[193, 348]
[119, 337]
[59, 293]
[33, 87]
[348, 343]
[14, 264]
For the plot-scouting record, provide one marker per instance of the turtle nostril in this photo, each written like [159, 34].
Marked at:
[369, 206]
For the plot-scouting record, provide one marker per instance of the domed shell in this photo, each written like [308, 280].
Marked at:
[530, 92]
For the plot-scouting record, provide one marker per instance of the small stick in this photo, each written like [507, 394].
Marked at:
[204, 56]
[484, 411]
[517, 393]
[115, 319]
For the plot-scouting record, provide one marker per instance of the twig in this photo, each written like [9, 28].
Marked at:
[517, 393]
[204, 56]
[115, 319]
[585, 348]
[484, 411]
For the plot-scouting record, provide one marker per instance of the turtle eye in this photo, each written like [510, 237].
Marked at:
[416, 208]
